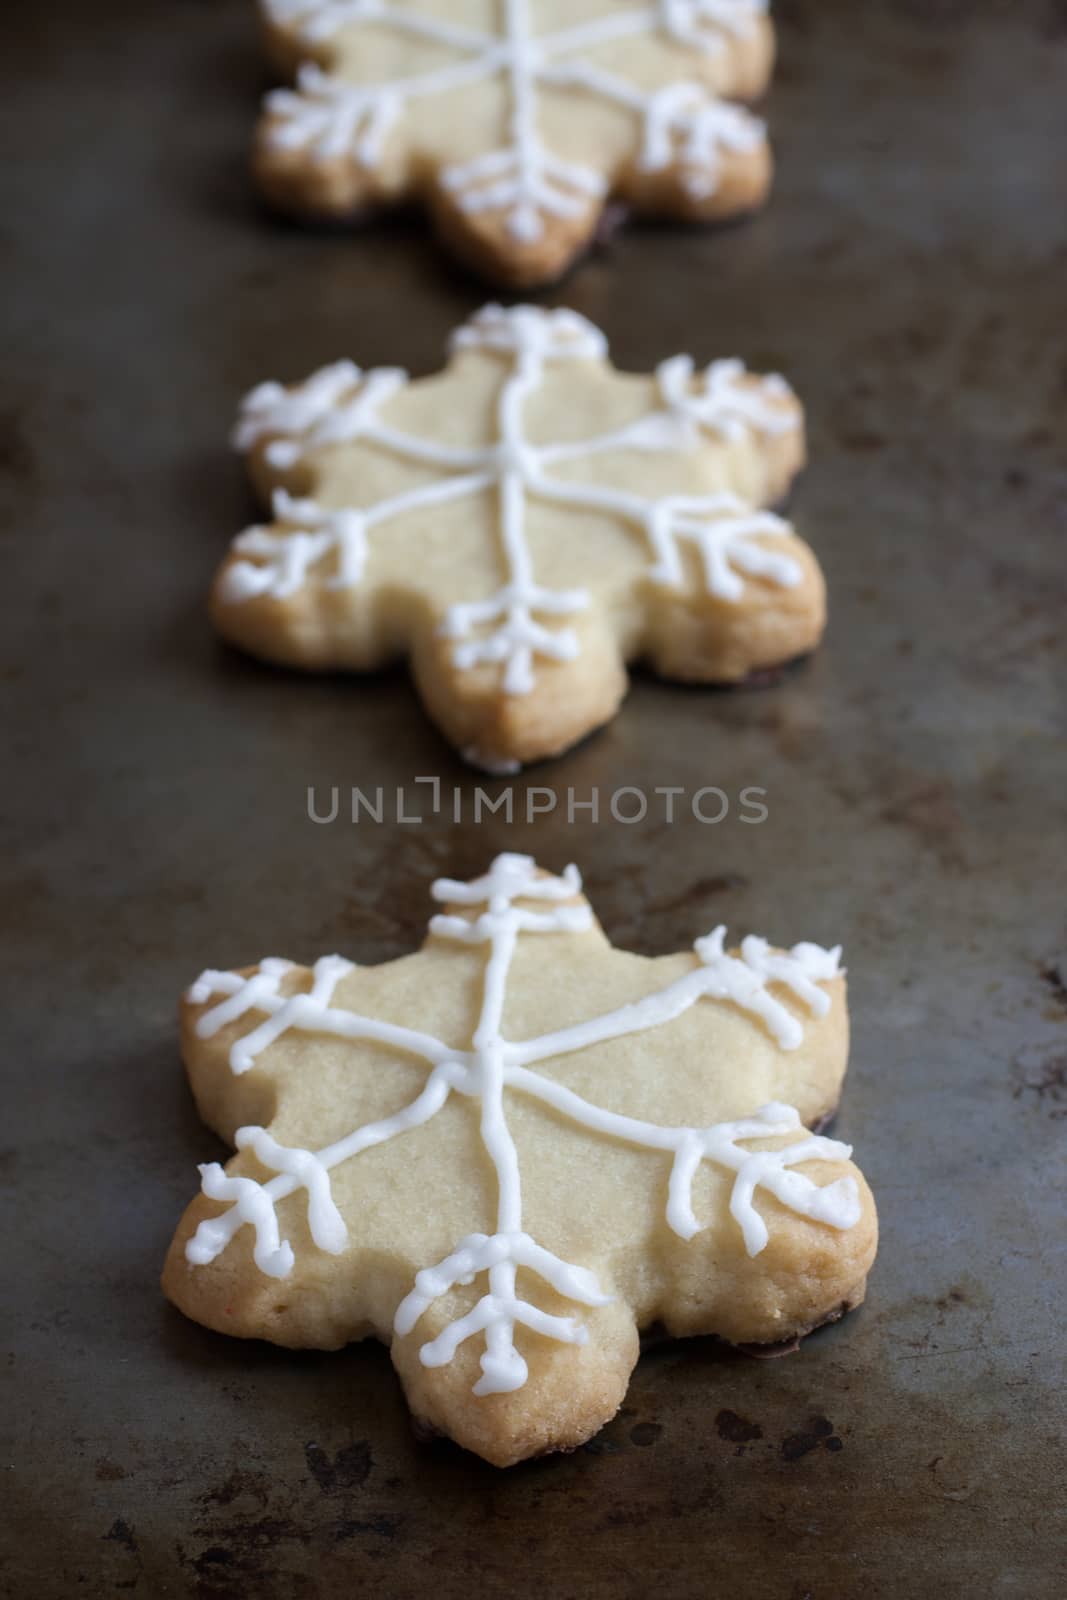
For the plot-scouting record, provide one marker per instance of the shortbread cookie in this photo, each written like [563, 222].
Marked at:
[514, 120]
[507, 1154]
[522, 525]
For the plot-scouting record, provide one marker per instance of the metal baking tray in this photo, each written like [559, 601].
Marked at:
[908, 278]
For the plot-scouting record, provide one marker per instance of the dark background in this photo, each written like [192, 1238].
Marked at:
[909, 279]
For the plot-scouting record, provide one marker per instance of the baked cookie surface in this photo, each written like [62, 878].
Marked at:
[521, 525]
[506, 1154]
[513, 121]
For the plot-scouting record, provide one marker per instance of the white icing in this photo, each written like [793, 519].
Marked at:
[282, 564]
[497, 1312]
[495, 766]
[560, 334]
[261, 993]
[254, 1203]
[744, 980]
[684, 123]
[319, 19]
[342, 404]
[725, 399]
[333, 406]
[681, 122]
[509, 901]
[699, 22]
[722, 527]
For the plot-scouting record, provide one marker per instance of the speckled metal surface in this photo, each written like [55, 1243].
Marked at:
[909, 279]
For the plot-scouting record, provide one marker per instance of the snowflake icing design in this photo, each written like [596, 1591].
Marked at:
[488, 1072]
[678, 125]
[523, 619]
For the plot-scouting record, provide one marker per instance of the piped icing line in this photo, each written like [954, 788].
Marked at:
[281, 565]
[310, 1012]
[486, 912]
[521, 621]
[330, 117]
[327, 408]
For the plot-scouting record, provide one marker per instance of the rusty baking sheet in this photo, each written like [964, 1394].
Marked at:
[909, 280]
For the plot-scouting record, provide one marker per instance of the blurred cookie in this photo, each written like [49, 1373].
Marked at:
[522, 525]
[514, 121]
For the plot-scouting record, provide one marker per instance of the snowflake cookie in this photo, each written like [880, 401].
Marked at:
[514, 120]
[506, 1154]
[522, 524]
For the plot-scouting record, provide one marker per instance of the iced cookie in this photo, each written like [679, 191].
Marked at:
[506, 1154]
[522, 525]
[513, 121]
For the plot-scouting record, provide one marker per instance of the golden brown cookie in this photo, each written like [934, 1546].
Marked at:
[506, 1154]
[521, 525]
[513, 121]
